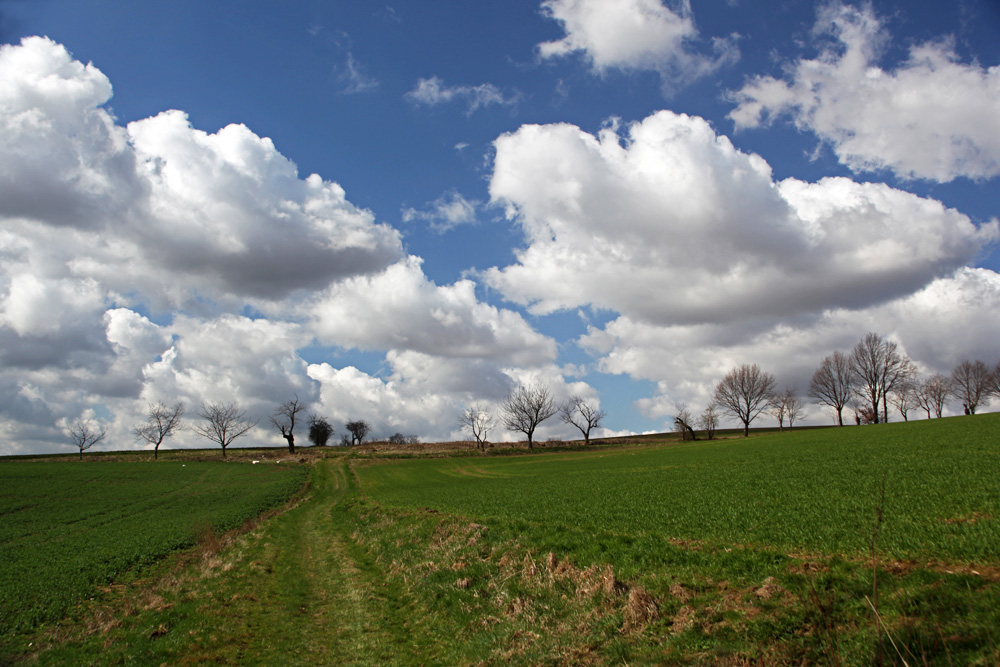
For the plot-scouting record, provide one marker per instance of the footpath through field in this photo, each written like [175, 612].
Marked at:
[296, 591]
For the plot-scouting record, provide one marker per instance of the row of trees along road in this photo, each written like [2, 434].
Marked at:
[222, 423]
[524, 409]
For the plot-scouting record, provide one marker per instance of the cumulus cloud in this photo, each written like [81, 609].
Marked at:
[446, 212]
[670, 224]
[932, 117]
[401, 309]
[634, 35]
[432, 91]
[133, 256]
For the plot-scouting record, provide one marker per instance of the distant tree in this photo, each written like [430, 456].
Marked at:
[359, 430]
[744, 393]
[904, 398]
[581, 414]
[778, 411]
[682, 424]
[709, 421]
[479, 421]
[524, 408]
[284, 420]
[84, 435]
[400, 439]
[970, 384]
[161, 423]
[345, 441]
[994, 385]
[320, 430]
[832, 383]
[224, 423]
[933, 393]
[793, 406]
[878, 367]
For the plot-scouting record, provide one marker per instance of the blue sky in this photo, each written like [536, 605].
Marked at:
[620, 200]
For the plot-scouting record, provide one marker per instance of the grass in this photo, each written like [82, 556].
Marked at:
[67, 527]
[740, 552]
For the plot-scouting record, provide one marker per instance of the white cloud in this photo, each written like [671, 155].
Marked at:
[446, 212]
[933, 117]
[401, 309]
[673, 225]
[101, 223]
[355, 79]
[432, 91]
[634, 35]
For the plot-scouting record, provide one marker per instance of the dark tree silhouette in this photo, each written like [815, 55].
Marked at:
[744, 393]
[832, 383]
[85, 435]
[525, 408]
[320, 430]
[161, 423]
[581, 414]
[284, 420]
[358, 429]
[224, 423]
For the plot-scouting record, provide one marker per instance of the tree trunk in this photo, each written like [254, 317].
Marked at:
[291, 443]
[840, 416]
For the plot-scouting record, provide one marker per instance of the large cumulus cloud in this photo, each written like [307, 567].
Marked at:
[932, 117]
[157, 261]
[671, 224]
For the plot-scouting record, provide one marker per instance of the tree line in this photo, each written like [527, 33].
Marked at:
[223, 423]
[869, 378]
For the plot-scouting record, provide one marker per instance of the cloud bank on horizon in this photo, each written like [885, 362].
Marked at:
[152, 260]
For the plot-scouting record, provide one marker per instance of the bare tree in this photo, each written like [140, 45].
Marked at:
[832, 383]
[84, 435]
[284, 420]
[582, 415]
[359, 430]
[224, 423]
[709, 421]
[994, 385]
[793, 406]
[933, 393]
[878, 367]
[525, 408]
[904, 398]
[682, 424]
[970, 383]
[744, 393]
[777, 410]
[161, 423]
[320, 430]
[480, 422]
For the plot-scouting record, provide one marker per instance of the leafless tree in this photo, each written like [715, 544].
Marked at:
[777, 410]
[832, 383]
[84, 435]
[994, 385]
[709, 421]
[878, 367]
[970, 383]
[793, 406]
[284, 420]
[682, 424]
[161, 423]
[525, 408]
[933, 393]
[581, 414]
[744, 393]
[480, 422]
[224, 423]
[904, 398]
[359, 430]
[320, 430]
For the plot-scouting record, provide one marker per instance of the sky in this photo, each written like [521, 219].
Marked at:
[397, 210]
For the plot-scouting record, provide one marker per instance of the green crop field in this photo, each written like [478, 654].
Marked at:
[66, 527]
[838, 546]
[810, 490]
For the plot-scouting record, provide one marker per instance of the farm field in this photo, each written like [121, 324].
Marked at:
[69, 526]
[737, 552]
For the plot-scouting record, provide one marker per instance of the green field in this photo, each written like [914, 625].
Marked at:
[759, 551]
[67, 527]
[809, 490]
